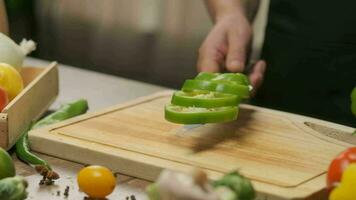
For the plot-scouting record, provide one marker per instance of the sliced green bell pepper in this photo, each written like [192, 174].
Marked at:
[237, 78]
[204, 99]
[240, 90]
[197, 115]
[206, 76]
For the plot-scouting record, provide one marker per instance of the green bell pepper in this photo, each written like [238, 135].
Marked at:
[204, 99]
[206, 76]
[196, 115]
[237, 183]
[13, 188]
[240, 90]
[237, 78]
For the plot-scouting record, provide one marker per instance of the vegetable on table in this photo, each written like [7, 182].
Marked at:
[338, 166]
[13, 188]
[237, 183]
[195, 186]
[181, 186]
[209, 98]
[96, 181]
[346, 190]
[7, 168]
[10, 80]
[14, 54]
[66, 111]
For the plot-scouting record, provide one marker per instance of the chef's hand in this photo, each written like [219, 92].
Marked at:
[226, 46]
[3, 19]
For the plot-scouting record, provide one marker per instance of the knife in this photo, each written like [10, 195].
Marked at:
[333, 133]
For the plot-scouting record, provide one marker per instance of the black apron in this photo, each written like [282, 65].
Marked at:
[310, 49]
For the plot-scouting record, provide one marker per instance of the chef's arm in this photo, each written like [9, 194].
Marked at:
[220, 8]
[3, 19]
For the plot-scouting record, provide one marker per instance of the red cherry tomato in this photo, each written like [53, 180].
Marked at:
[3, 99]
[338, 165]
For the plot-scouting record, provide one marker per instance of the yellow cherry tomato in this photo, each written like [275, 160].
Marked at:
[96, 181]
[10, 80]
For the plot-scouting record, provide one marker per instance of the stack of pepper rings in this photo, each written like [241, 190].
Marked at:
[209, 98]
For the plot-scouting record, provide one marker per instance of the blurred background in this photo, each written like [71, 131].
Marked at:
[154, 41]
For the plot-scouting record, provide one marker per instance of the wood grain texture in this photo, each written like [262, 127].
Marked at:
[41, 89]
[284, 158]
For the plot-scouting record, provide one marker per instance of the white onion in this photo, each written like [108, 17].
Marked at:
[14, 54]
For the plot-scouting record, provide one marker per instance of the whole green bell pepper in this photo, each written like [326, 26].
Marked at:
[13, 188]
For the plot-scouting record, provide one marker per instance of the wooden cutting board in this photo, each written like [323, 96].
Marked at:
[283, 156]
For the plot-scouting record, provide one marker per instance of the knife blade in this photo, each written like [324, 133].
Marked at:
[333, 133]
[185, 129]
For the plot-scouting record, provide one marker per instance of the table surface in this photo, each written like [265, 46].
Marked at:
[101, 90]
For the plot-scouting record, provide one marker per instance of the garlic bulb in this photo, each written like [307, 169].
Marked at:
[14, 54]
[179, 186]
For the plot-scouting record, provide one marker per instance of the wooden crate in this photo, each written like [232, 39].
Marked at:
[41, 89]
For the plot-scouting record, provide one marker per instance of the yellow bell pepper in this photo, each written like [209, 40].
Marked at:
[347, 188]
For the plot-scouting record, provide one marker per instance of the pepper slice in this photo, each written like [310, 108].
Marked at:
[204, 99]
[206, 76]
[197, 115]
[237, 78]
[242, 91]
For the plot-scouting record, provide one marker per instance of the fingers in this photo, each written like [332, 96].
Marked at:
[236, 54]
[212, 52]
[257, 74]
[209, 60]
[225, 46]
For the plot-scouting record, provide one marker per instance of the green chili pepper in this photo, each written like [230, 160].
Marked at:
[64, 112]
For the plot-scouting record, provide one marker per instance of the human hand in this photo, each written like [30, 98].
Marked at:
[226, 46]
[3, 19]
